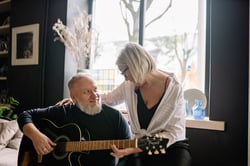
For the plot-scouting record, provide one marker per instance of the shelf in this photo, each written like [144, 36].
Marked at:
[4, 29]
[197, 124]
[5, 6]
[205, 124]
[3, 78]
[3, 53]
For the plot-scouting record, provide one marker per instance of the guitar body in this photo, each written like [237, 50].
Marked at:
[69, 132]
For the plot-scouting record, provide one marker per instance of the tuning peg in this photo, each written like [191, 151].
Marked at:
[163, 151]
[156, 152]
[149, 152]
[158, 136]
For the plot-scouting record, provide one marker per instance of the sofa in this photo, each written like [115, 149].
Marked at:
[10, 139]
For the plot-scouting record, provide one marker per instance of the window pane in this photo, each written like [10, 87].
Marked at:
[114, 25]
[173, 31]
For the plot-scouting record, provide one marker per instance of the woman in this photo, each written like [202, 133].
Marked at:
[155, 104]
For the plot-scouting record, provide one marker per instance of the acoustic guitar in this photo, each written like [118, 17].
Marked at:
[69, 143]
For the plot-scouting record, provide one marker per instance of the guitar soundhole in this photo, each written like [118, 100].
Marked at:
[59, 151]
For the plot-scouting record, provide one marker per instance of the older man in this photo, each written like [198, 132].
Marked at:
[68, 134]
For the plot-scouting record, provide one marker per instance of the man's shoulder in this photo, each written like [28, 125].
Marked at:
[108, 108]
[68, 106]
[67, 109]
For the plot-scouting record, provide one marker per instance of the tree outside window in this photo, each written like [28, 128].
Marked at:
[173, 31]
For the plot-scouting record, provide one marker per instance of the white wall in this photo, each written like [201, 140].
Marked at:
[70, 67]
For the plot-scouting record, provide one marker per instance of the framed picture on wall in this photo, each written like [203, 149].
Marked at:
[25, 45]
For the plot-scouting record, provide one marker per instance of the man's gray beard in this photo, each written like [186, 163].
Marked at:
[91, 110]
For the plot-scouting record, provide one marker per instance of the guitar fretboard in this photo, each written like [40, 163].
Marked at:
[74, 146]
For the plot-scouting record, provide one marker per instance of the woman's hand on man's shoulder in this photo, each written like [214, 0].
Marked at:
[64, 102]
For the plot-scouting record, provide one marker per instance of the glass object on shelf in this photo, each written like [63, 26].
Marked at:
[186, 108]
[195, 94]
[3, 45]
[3, 70]
[198, 111]
[6, 21]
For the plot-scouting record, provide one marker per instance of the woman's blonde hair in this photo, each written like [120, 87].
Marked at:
[137, 59]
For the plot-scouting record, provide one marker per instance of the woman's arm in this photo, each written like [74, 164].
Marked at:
[119, 153]
[64, 102]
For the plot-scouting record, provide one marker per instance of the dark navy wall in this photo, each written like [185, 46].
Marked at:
[39, 85]
[227, 45]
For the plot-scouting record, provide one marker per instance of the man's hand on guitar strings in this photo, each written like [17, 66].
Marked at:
[42, 144]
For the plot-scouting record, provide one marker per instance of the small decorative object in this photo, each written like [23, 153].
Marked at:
[3, 70]
[198, 111]
[78, 42]
[192, 94]
[6, 21]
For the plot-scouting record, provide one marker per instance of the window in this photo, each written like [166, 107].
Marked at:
[173, 31]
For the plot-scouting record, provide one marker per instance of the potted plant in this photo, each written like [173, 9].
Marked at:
[7, 106]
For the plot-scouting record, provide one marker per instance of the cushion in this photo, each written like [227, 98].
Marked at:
[8, 157]
[7, 132]
[3, 120]
[14, 143]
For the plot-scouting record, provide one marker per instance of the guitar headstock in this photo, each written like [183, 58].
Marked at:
[153, 145]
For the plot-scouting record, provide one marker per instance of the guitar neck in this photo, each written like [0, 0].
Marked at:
[74, 146]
